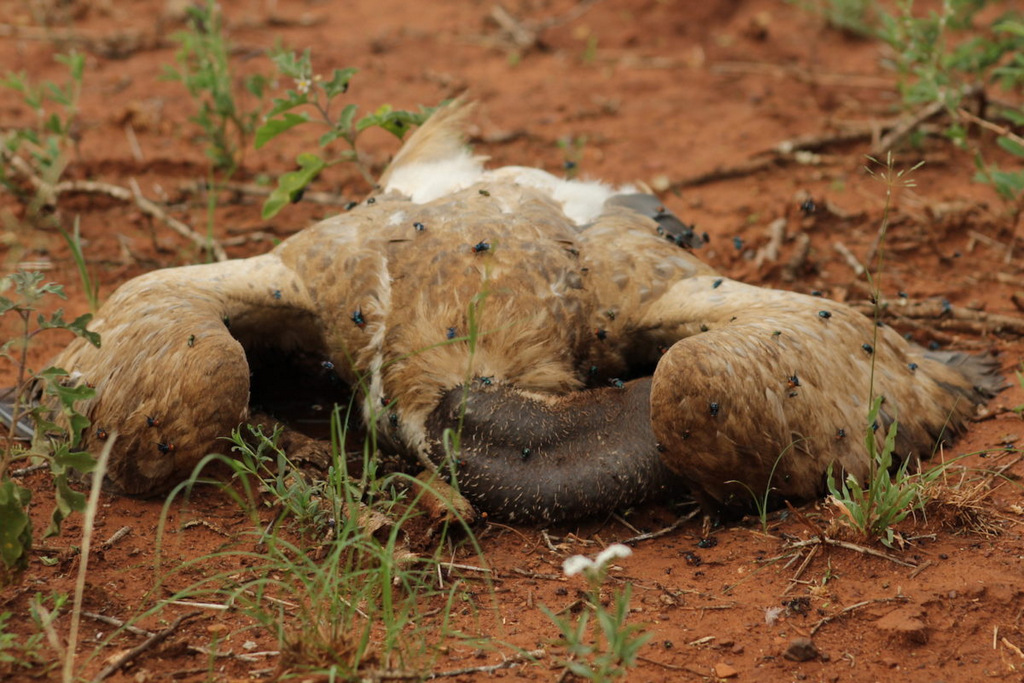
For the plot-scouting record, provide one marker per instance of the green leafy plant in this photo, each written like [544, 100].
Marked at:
[316, 94]
[943, 57]
[23, 653]
[614, 645]
[885, 499]
[18, 652]
[204, 69]
[1010, 74]
[858, 18]
[40, 152]
[354, 589]
[761, 502]
[59, 439]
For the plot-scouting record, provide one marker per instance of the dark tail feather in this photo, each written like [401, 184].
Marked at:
[981, 370]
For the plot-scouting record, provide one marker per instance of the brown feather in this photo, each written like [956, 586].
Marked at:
[779, 387]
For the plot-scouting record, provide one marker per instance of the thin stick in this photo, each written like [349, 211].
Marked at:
[204, 605]
[113, 621]
[618, 518]
[776, 236]
[920, 568]
[904, 127]
[662, 532]
[847, 610]
[206, 652]
[29, 470]
[146, 645]
[135, 630]
[152, 209]
[995, 128]
[537, 575]
[449, 565]
[803, 567]
[524, 658]
[739, 170]
[88, 527]
[49, 192]
[117, 536]
[851, 546]
[850, 259]
[954, 317]
[799, 258]
[1011, 646]
[133, 142]
[326, 198]
[671, 667]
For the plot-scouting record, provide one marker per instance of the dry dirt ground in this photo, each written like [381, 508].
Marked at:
[693, 98]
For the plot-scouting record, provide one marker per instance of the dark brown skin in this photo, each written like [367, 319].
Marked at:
[550, 460]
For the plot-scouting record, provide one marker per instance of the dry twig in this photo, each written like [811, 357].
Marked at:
[145, 646]
[662, 532]
[848, 256]
[920, 568]
[672, 667]
[538, 575]
[117, 536]
[949, 317]
[851, 608]
[515, 660]
[864, 550]
[803, 567]
[48, 193]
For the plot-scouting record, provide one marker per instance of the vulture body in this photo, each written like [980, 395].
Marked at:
[527, 313]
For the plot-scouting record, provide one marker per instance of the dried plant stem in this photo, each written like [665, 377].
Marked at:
[50, 191]
[88, 526]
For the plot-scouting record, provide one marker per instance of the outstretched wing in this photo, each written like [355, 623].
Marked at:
[766, 389]
[171, 376]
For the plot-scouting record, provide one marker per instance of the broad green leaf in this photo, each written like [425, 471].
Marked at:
[78, 326]
[75, 61]
[290, 185]
[67, 500]
[274, 127]
[82, 461]
[339, 82]
[293, 65]
[347, 115]
[15, 525]
[292, 100]
[1010, 26]
[330, 136]
[1011, 146]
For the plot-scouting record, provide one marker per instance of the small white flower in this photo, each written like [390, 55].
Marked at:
[577, 564]
[303, 84]
[612, 552]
